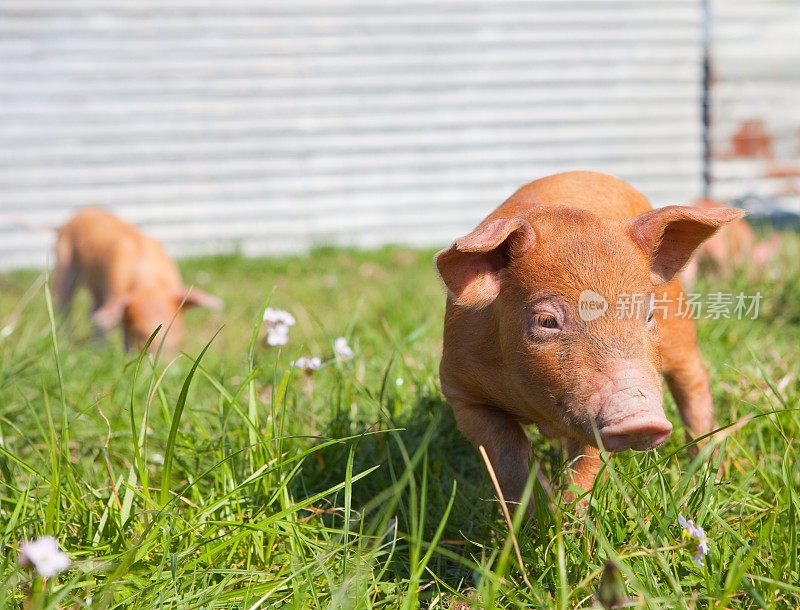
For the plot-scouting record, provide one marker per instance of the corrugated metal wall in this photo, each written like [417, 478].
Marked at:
[755, 102]
[277, 125]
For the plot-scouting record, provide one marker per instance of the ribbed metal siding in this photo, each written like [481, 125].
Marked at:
[755, 100]
[278, 125]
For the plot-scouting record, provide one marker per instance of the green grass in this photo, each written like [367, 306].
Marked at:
[353, 487]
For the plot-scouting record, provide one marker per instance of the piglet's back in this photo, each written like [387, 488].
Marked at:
[96, 236]
[115, 253]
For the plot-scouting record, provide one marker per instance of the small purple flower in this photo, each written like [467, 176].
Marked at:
[307, 365]
[695, 538]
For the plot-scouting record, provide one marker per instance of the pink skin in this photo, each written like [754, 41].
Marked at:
[629, 408]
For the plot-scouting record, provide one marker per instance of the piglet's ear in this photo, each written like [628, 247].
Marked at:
[110, 314]
[474, 267]
[671, 234]
[198, 298]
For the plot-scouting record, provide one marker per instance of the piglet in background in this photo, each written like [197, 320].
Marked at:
[132, 280]
[532, 334]
[733, 247]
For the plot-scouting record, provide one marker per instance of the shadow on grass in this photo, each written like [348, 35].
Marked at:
[426, 437]
[425, 443]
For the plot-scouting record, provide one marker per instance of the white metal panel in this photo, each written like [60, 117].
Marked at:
[755, 101]
[273, 126]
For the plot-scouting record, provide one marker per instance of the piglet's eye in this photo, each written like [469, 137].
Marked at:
[545, 320]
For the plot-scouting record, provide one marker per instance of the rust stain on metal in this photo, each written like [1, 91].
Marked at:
[783, 171]
[752, 140]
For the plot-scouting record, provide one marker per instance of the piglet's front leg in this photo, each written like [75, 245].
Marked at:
[583, 467]
[507, 447]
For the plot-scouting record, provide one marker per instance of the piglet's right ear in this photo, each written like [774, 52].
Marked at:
[474, 267]
[111, 313]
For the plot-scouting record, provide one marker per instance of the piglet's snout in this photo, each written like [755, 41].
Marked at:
[640, 432]
[631, 415]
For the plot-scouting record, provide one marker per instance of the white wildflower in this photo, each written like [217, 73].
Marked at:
[399, 382]
[307, 364]
[278, 316]
[341, 349]
[277, 335]
[278, 323]
[696, 539]
[45, 555]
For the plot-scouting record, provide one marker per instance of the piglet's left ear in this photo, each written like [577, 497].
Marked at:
[671, 234]
[198, 298]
